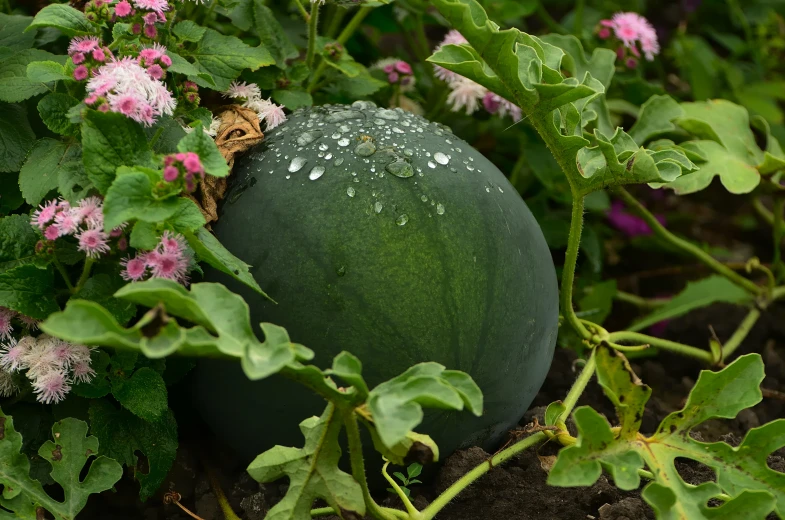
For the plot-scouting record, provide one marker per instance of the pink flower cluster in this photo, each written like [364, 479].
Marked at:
[155, 60]
[468, 95]
[6, 326]
[398, 72]
[631, 30]
[52, 365]
[57, 218]
[185, 166]
[170, 259]
[126, 87]
[87, 54]
[98, 10]
[191, 92]
[142, 15]
[272, 114]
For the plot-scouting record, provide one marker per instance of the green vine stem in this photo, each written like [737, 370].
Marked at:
[313, 32]
[741, 332]
[568, 272]
[451, 492]
[672, 346]
[302, 10]
[322, 511]
[88, 266]
[347, 33]
[63, 273]
[358, 469]
[413, 513]
[579, 386]
[335, 22]
[639, 301]
[660, 231]
[762, 211]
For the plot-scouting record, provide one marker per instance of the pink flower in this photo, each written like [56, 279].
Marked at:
[495, 104]
[44, 214]
[171, 173]
[152, 5]
[52, 387]
[155, 71]
[12, 354]
[604, 33]
[631, 29]
[403, 67]
[148, 55]
[80, 73]
[91, 99]
[192, 163]
[629, 224]
[28, 322]
[453, 37]
[134, 269]
[51, 232]
[150, 31]
[393, 77]
[167, 264]
[126, 104]
[465, 94]
[150, 18]
[172, 243]
[99, 55]
[90, 210]
[6, 315]
[93, 242]
[272, 114]
[83, 372]
[122, 244]
[389, 69]
[83, 44]
[77, 58]
[122, 9]
[166, 60]
[67, 222]
[241, 89]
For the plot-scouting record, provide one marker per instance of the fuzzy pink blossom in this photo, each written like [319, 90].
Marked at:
[122, 9]
[453, 37]
[155, 71]
[67, 222]
[150, 18]
[192, 163]
[52, 232]
[44, 214]
[152, 5]
[28, 322]
[80, 73]
[632, 29]
[51, 387]
[495, 104]
[171, 173]
[82, 372]
[90, 210]
[120, 79]
[6, 315]
[166, 60]
[241, 89]
[93, 242]
[83, 44]
[167, 264]
[134, 269]
[150, 31]
[272, 114]
[12, 354]
[99, 55]
[172, 243]
[465, 94]
[77, 58]
[403, 67]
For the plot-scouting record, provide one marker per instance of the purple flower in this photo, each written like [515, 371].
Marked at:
[629, 224]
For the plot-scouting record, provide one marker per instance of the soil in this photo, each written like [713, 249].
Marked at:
[516, 490]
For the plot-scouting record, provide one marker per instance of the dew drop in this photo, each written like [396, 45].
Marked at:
[408, 152]
[297, 164]
[307, 138]
[336, 135]
[344, 142]
[440, 208]
[323, 147]
[390, 115]
[328, 156]
[365, 149]
[316, 172]
[402, 219]
[441, 158]
[363, 105]
[424, 198]
[339, 161]
[378, 207]
[340, 271]
[350, 191]
[400, 168]
[431, 164]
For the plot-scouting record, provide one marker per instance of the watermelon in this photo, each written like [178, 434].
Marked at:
[381, 233]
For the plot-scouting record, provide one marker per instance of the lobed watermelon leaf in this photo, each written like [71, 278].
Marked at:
[745, 484]
[68, 453]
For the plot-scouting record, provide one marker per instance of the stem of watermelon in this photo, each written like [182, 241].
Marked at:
[579, 386]
[313, 26]
[568, 271]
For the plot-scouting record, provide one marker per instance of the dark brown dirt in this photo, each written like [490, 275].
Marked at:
[518, 489]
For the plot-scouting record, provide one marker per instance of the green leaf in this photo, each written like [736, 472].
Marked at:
[265, 359]
[70, 21]
[224, 58]
[17, 241]
[110, 140]
[312, 471]
[696, 295]
[14, 83]
[143, 394]
[292, 99]
[597, 304]
[349, 368]
[144, 235]
[29, 290]
[656, 118]
[73, 182]
[67, 454]
[188, 217]
[170, 134]
[41, 171]
[189, 31]
[742, 472]
[12, 197]
[46, 72]
[202, 144]
[53, 109]
[130, 197]
[736, 175]
[12, 33]
[16, 136]
[123, 434]
[101, 288]
[396, 405]
[357, 87]
[183, 66]
[211, 251]
[271, 34]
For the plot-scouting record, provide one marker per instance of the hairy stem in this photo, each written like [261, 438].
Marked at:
[88, 266]
[686, 246]
[313, 32]
[347, 33]
[741, 332]
[451, 492]
[358, 467]
[579, 386]
[639, 301]
[306, 16]
[220, 496]
[568, 272]
[322, 511]
[63, 273]
[643, 339]
[335, 22]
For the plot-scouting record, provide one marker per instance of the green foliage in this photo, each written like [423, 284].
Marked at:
[409, 479]
[750, 487]
[131, 197]
[16, 136]
[67, 454]
[70, 21]
[202, 145]
[45, 163]
[15, 86]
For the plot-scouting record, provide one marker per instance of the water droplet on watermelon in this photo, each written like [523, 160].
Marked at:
[307, 138]
[387, 114]
[340, 271]
[328, 156]
[408, 152]
[297, 164]
[336, 135]
[424, 198]
[343, 115]
[441, 158]
[365, 149]
[431, 164]
[402, 219]
[378, 207]
[363, 105]
[350, 191]
[343, 142]
[316, 172]
[440, 208]
[339, 161]
[400, 168]
[323, 147]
